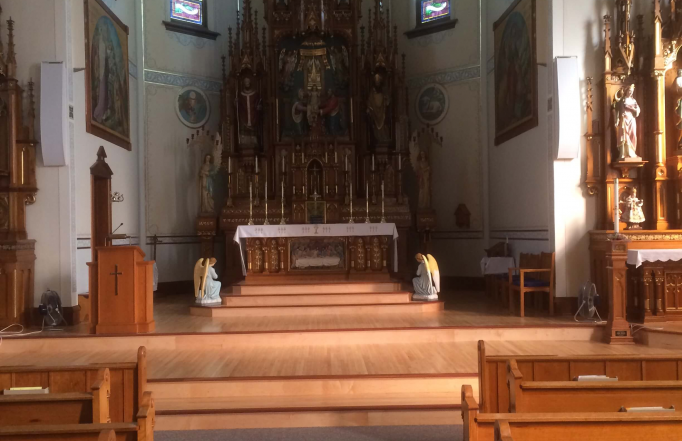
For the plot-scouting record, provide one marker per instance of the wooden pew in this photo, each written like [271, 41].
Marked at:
[143, 430]
[59, 408]
[588, 396]
[587, 427]
[128, 382]
[605, 426]
[494, 392]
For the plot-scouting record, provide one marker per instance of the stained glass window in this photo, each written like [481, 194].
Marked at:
[188, 11]
[432, 10]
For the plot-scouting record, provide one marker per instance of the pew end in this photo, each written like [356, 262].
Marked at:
[101, 393]
[502, 431]
[469, 413]
[146, 417]
[107, 435]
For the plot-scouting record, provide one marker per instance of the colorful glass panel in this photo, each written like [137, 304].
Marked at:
[433, 10]
[190, 11]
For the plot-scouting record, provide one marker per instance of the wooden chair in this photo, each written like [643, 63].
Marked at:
[128, 382]
[142, 430]
[59, 408]
[605, 426]
[542, 268]
[494, 392]
[588, 396]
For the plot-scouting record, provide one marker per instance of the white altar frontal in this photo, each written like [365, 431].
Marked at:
[333, 251]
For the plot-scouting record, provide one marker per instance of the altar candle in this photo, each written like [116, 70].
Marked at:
[346, 162]
[303, 157]
[229, 164]
[336, 157]
[266, 183]
[616, 221]
[256, 164]
[400, 163]
[326, 158]
[372, 162]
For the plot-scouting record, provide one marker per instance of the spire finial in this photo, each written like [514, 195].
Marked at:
[11, 55]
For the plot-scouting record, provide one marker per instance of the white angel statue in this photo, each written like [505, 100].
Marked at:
[206, 284]
[427, 283]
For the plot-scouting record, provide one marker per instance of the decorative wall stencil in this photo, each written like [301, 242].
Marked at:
[172, 79]
[516, 83]
[106, 75]
[193, 107]
[432, 104]
[446, 77]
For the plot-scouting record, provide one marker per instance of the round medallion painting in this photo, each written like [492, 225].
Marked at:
[193, 107]
[432, 104]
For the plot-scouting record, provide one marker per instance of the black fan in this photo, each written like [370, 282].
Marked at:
[51, 308]
[588, 300]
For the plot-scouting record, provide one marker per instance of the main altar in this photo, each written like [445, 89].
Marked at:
[314, 131]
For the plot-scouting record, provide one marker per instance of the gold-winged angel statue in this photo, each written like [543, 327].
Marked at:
[427, 283]
[206, 284]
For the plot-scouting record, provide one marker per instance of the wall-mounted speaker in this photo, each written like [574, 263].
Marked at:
[54, 114]
[569, 127]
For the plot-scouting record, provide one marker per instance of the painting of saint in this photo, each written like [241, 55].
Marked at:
[107, 82]
[193, 107]
[516, 102]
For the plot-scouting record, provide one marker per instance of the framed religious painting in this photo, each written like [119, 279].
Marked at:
[432, 104]
[516, 72]
[193, 107]
[107, 97]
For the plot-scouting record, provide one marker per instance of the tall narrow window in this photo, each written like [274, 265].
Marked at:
[430, 11]
[189, 11]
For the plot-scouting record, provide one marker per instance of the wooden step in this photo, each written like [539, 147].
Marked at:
[260, 311]
[316, 299]
[328, 387]
[316, 288]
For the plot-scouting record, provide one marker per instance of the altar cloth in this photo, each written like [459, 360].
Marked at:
[637, 257]
[317, 230]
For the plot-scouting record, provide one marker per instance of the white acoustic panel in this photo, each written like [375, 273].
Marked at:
[569, 128]
[53, 114]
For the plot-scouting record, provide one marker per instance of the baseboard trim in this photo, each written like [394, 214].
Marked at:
[174, 288]
[463, 283]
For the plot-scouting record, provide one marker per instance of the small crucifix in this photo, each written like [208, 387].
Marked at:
[116, 273]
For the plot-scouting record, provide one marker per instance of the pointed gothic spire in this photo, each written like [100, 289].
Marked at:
[224, 73]
[11, 55]
[31, 110]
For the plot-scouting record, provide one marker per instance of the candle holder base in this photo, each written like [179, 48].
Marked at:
[267, 222]
[229, 203]
[367, 221]
[383, 220]
[282, 222]
[250, 222]
[351, 221]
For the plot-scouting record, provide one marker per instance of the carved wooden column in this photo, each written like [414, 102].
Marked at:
[660, 199]
[659, 304]
[618, 327]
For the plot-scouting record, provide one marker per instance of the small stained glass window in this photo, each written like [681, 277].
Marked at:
[433, 10]
[189, 11]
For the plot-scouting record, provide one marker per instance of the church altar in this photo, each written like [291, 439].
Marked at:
[340, 251]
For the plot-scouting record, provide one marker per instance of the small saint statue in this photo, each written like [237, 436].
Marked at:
[626, 111]
[206, 284]
[427, 283]
[633, 214]
[424, 181]
[377, 108]
[248, 106]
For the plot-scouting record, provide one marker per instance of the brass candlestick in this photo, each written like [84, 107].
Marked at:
[383, 217]
[250, 203]
[350, 185]
[229, 202]
[282, 222]
[367, 221]
[266, 199]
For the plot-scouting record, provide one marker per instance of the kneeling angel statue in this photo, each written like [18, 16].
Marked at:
[427, 283]
[206, 284]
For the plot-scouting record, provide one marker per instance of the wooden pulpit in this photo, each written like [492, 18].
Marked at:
[121, 290]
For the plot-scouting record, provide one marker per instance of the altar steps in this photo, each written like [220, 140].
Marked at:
[308, 401]
[347, 287]
[293, 310]
[316, 299]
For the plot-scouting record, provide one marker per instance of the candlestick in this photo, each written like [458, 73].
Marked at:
[326, 158]
[616, 217]
[282, 222]
[351, 221]
[367, 202]
[303, 157]
[383, 218]
[336, 157]
[372, 162]
[346, 169]
[256, 164]
[229, 164]
[400, 163]
[229, 190]
[266, 195]
[250, 203]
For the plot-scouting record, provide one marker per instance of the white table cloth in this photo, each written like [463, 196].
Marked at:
[496, 265]
[318, 230]
[637, 257]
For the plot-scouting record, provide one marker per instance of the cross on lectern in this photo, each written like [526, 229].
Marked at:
[116, 274]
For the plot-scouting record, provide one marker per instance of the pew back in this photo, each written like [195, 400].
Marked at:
[70, 432]
[494, 392]
[128, 382]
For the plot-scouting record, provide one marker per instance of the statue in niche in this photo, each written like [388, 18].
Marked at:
[427, 283]
[298, 111]
[424, 180]
[206, 284]
[626, 111]
[377, 108]
[313, 106]
[329, 110]
[633, 214]
[338, 56]
[207, 176]
[287, 67]
[249, 106]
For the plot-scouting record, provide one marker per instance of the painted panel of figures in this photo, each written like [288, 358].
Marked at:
[317, 254]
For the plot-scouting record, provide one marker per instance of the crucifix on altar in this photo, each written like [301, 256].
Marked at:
[121, 281]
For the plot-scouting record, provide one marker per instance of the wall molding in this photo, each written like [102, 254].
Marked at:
[132, 69]
[456, 235]
[541, 234]
[453, 75]
[178, 80]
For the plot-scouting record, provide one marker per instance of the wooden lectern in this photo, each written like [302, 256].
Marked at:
[121, 289]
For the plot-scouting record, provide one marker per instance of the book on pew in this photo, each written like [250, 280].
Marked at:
[594, 378]
[26, 390]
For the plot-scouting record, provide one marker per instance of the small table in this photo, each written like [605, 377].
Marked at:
[491, 267]
[654, 285]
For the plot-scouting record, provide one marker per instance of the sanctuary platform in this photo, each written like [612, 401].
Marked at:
[323, 369]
